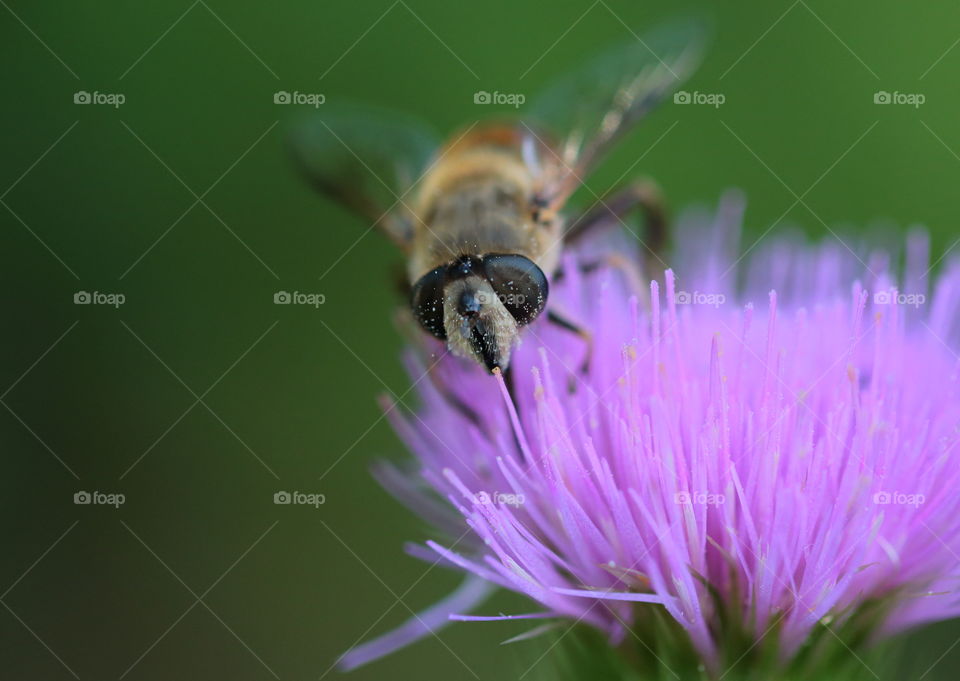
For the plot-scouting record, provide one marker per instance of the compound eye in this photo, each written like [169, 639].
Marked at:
[426, 302]
[519, 284]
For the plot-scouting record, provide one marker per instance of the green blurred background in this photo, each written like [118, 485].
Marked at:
[105, 199]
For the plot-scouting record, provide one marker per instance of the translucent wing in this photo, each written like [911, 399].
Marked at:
[367, 159]
[595, 106]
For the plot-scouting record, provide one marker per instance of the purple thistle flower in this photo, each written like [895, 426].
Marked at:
[780, 458]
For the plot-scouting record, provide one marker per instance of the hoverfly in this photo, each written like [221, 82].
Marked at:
[479, 217]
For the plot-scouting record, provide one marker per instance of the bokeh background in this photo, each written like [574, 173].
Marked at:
[199, 398]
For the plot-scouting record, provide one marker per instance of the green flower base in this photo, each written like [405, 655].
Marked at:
[659, 649]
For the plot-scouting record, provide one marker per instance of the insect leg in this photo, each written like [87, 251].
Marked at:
[465, 410]
[643, 194]
[563, 322]
[408, 328]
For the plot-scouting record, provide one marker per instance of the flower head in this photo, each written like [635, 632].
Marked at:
[779, 461]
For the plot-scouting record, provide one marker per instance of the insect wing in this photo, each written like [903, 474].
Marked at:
[592, 108]
[366, 159]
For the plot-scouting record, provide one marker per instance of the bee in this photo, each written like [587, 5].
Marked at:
[480, 217]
